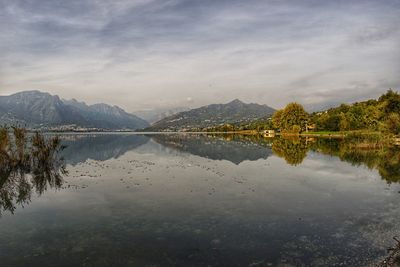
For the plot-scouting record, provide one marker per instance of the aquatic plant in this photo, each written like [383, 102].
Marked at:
[27, 162]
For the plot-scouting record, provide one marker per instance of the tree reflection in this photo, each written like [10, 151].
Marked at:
[293, 150]
[389, 165]
[384, 158]
[26, 165]
[366, 151]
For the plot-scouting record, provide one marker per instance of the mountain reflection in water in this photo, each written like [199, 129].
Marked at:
[201, 200]
[101, 147]
[17, 184]
[236, 149]
[233, 148]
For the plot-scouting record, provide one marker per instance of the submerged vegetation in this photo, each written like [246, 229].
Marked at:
[27, 162]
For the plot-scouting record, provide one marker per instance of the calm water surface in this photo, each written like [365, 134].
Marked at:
[193, 200]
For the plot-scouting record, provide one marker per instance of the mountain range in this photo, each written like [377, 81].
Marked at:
[154, 115]
[37, 109]
[233, 112]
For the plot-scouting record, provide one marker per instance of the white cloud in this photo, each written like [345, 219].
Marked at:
[140, 54]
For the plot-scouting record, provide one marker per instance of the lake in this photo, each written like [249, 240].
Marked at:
[206, 200]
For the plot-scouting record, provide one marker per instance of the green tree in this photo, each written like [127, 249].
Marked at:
[392, 123]
[277, 119]
[294, 114]
[296, 129]
[344, 123]
[392, 101]
[293, 118]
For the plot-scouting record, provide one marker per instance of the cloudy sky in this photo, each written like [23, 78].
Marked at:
[142, 54]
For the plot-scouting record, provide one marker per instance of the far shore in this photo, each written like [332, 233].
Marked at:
[325, 134]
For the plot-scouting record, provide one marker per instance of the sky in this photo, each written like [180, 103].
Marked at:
[150, 54]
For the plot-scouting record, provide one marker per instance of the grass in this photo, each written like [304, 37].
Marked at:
[325, 132]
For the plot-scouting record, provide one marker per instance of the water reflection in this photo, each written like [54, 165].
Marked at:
[101, 147]
[206, 200]
[293, 150]
[385, 159]
[238, 148]
[234, 148]
[26, 165]
[38, 168]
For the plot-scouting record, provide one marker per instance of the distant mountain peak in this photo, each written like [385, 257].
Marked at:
[30, 93]
[33, 91]
[37, 109]
[156, 114]
[213, 115]
[236, 101]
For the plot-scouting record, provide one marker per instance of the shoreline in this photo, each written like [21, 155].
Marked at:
[334, 135]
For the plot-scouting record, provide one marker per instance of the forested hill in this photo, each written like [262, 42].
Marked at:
[375, 115]
[234, 112]
[382, 114]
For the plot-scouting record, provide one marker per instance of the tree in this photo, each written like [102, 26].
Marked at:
[392, 123]
[294, 117]
[344, 123]
[329, 122]
[277, 119]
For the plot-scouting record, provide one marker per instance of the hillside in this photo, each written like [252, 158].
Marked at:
[156, 114]
[382, 114]
[36, 109]
[213, 115]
